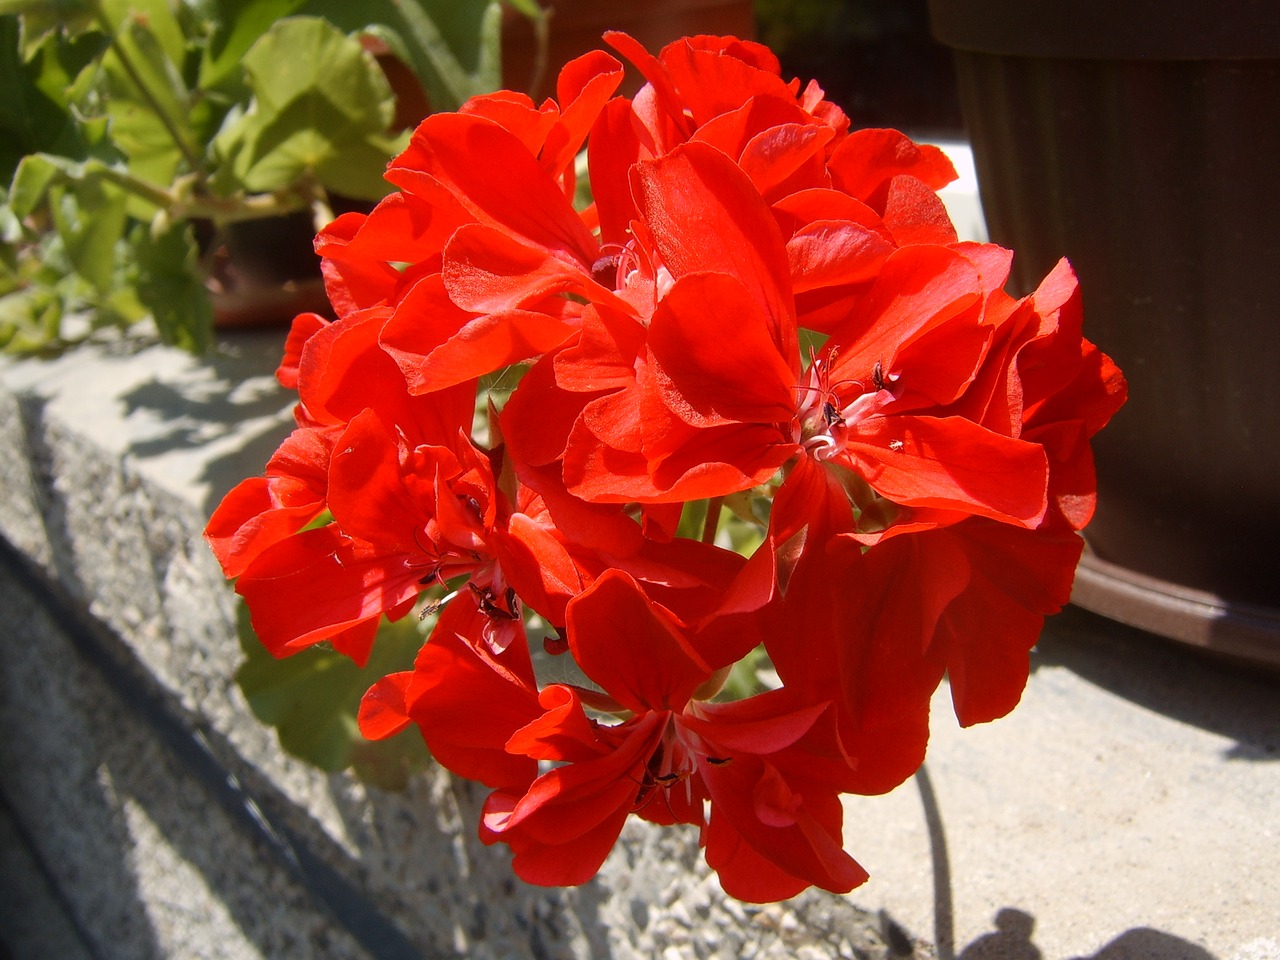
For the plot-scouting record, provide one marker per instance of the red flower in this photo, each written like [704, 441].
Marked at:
[724, 399]
[465, 699]
[261, 511]
[961, 595]
[770, 767]
[761, 311]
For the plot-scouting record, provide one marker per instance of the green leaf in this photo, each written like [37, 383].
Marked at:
[41, 19]
[68, 68]
[448, 80]
[34, 111]
[312, 699]
[445, 40]
[147, 99]
[90, 217]
[31, 181]
[239, 24]
[158, 16]
[29, 320]
[48, 305]
[745, 679]
[528, 8]
[39, 173]
[321, 109]
[170, 284]
[10, 229]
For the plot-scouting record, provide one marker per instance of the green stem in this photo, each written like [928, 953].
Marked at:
[188, 152]
[157, 196]
[256, 206]
[598, 700]
[196, 205]
[711, 525]
[713, 684]
[432, 55]
[541, 41]
[488, 74]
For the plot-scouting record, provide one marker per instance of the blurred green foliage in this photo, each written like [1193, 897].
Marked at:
[133, 133]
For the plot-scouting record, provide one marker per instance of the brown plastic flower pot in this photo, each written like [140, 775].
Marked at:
[266, 272]
[1139, 138]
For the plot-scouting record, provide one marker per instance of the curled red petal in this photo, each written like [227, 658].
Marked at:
[468, 702]
[316, 584]
[300, 331]
[384, 711]
[866, 160]
[951, 463]
[787, 834]
[495, 176]
[706, 215]
[564, 733]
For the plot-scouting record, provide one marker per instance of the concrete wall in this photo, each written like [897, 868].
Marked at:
[157, 815]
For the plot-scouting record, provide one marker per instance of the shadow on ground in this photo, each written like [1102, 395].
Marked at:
[1014, 939]
[1238, 701]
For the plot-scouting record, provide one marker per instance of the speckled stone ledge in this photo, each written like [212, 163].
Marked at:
[167, 816]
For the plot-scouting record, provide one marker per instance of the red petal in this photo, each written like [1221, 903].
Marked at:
[357, 252]
[356, 641]
[569, 800]
[261, 511]
[486, 270]
[663, 91]
[538, 566]
[716, 461]
[516, 113]
[916, 214]
[383, 710]
[951, 463]
[706, 215]
[496, 177]
[439, 346]
[867, 649]
[759, 725]
[300, 331]
[744, 873]
[791, 831]
[631, 648]
[614, 146]
[595, 472]
[714, 75]
[468, 703]
[718, 357]
[866, 160]
[583, 88]
[918, 289]
[835, 252]
[1017, 578]
[367, 494]
[569, 864]
[563, 734]
[345, 370]
[775, 156]
[316, 584]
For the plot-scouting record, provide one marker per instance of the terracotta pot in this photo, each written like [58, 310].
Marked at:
[577, 25]
[266, 271]
[1139, 138]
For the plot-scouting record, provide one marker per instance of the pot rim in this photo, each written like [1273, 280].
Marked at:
[1111, 29]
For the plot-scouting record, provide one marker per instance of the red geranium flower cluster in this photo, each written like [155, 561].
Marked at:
[524, 407]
